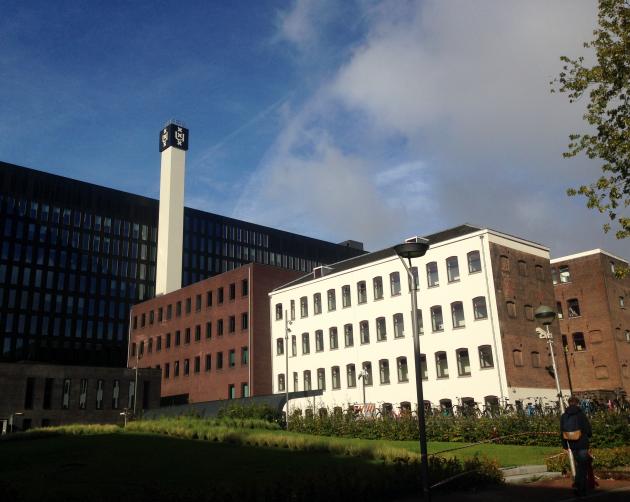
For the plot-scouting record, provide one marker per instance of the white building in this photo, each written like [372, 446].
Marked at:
[478, 289]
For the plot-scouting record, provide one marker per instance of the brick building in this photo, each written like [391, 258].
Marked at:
[39, 395]
[478, 290]
[210, 339]
[593, 307]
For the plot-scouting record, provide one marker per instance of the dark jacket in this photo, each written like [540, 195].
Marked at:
[583, 424]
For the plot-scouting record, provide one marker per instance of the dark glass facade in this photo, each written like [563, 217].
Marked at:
[74, 257]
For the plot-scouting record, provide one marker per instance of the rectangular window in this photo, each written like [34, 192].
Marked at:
[186, 367]
[452, 269]
[485, 357]
[197, 332]
[377, 285]
[304, 306]
[208, 362]
[220, 296]
[565, 273]
[479, 307]
[48, 389]
[244, 287]
[279, 346]
[306, 347]
[399, 326]
[219, 360]
[232, 358]
[332, 303]
[83, 393]
[28, 394]
[463, 362]
[383, 369]
[321, 379]
[361, 292]
[573, 307]
[441, 364]
[197, 366]
[366, 373]
[220, 327]
[403, 371]
[351, 375]
[433, 279]
[364, 332]
[474, 262]
[244, 356]
[278, 311]
[319, 340]
[198, 303]
[336, 380]
[345, 296]
[187, 335]
[99, 394]
[116, 394]
[436, 318]
[381, 329]
[333, 338]
[244, 320]
[348, 335]
[317, 303]
[394, 282]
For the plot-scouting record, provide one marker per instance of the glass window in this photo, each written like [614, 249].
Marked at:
[437, 321]
[336, 379]
[304, 307]
[554, 276]
[317, 303]
[364, 332]
[479, 307]
[281, 383]
[452, 269]
[348, 335]
[463, 362]
[321, 379]
[403, 371]
[319, 340]
[474, 262]
[457, 313]
[345, 296]
[361, 292]
[565, 274]
[306, 346]
[578, 342]
[377, 284]
[351, 375]
[394, 282]
[573, 307]
[278, 311]
[332, 305]
[293, 345]
[383, 369]
[381, 329]
[307, 380]
[432, 274]
[333, 338]
[441, 364]
[399, 326]
[366, 373]
[279, 346]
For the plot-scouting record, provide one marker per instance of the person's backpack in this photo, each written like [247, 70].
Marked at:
[571, 428]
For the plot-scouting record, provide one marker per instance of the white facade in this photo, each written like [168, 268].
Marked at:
[469, 326]
[171, 221]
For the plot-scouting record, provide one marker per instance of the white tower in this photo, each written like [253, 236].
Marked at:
[173, 145]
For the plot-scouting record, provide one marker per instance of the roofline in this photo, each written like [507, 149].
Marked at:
[587, 253]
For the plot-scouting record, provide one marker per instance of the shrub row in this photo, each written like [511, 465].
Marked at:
[609, 430]
[609, 458]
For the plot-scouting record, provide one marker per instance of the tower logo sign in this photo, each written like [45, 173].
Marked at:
[175, 136]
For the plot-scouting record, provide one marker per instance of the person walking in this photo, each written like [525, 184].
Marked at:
[575, 431]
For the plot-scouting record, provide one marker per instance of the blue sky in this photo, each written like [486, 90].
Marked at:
[364, 119]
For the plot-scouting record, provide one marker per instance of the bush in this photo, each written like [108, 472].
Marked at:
[609, 430]
[603, 458]
[259, 411]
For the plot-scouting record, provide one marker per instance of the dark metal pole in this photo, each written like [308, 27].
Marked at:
[424, 458]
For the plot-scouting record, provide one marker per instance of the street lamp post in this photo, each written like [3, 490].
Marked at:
[409, 250]
[546, 315]
[287, 330]
[362, 377]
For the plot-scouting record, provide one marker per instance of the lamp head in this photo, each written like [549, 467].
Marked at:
[414, 249]
[545, 314]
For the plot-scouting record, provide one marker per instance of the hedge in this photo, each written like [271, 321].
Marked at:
[609, 458]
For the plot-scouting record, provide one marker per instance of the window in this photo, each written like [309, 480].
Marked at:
[559, 310]
[317, 303]
[321, 379]
[293, 345]
[307, 380]
[351, 375]
[244, 320]
[345, 296]
[279, 346]
[383, 370]
[220, 296]
[219, 360]
[244, 356]
[419, 322]
[306, 346]
[522, 268]
[463, 362]
[361, 292]
[485, 357]
[416, 279]
[573, 307]
[348, 336]
[333, 338]
[292, 312]
[394, 283]
[319, 340]
[364, 332]
[336, 379]
[186, 366]
[452, 269]
[304, 307]
[381, 329]
[529, 312]
[441, 364]
[517, 356]
[424, 370]
[535, 359]
[209, 299]
[232, 358]
[377, 284]
[433, 279]
[399, 326]
[403, 370]
[178, 338]
[281, 383]
[178, 309]
[232, 291]
[332, 303]
[366, 373]
[187, 335]
[231, 391]
[197, 364]
[511, 309]
[278, 311]
[578, 342]
[208, 366]
[622, 303]
[479, 307]
[244, 287]
[474, 262]
[565, 274]
[554, 276]
[505, 263]
[457, 313]
[168, 340]
[116, 391]
[197, 303]
[220, 327]
[437, 322]
[30, 387]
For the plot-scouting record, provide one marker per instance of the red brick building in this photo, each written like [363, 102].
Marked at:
[593, 307]
[211, 339]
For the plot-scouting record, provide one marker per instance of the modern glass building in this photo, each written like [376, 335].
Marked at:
[75, 257]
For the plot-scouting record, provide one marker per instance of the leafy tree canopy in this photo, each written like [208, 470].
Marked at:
[607, 85]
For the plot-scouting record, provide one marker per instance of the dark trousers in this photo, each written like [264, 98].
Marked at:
[581, 465]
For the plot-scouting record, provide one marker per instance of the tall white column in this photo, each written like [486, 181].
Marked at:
[173, 145]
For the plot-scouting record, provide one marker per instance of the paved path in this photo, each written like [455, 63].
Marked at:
[556, 490]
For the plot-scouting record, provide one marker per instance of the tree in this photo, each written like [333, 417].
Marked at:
[607, 85]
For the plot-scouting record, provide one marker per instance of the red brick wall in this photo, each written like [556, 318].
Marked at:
[602, 322]
[519, 332]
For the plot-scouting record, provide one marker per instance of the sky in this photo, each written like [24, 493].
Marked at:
[363, 119]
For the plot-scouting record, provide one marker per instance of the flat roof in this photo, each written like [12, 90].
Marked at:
[587, 253]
